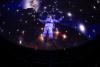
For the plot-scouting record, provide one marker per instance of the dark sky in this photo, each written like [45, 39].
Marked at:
[17, 23]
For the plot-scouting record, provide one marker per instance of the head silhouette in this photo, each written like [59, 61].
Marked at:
[49, 16]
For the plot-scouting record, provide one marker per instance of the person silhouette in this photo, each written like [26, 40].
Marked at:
[49, 25]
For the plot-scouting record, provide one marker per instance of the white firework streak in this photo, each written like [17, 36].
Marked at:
[31, 4]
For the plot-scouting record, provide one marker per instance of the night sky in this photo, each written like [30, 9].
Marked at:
[81, 22]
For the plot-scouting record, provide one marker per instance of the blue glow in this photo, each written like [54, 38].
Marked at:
[49, 26]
